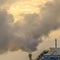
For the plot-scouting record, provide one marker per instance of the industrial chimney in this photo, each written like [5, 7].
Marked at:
[55, 46]
[30, 56]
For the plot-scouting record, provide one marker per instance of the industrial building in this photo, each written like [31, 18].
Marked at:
[52, 54]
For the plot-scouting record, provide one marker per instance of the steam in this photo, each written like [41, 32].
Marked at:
[28, 35]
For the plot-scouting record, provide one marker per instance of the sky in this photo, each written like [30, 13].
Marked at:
[28, 26]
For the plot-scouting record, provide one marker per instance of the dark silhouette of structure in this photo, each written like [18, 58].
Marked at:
[51, 54]
[30, 56]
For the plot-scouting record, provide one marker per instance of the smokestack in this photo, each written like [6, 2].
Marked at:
[56, 43]
[56, 46]
[30, 56]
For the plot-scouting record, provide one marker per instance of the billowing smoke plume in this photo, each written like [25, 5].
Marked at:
[4, 30]
[28, 35]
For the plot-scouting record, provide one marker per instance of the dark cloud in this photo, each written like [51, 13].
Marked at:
[37, 26]
[4, 28]
[41, 25]
[28, 35]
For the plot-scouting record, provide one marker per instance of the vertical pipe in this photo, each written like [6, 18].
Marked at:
[30, 56]
[55, 46]
[55, 43]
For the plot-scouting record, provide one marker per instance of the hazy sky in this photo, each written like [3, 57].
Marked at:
[28, 26]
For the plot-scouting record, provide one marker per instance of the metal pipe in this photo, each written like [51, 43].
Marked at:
[55, 46]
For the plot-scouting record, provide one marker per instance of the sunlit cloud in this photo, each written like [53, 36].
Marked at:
[25, 7]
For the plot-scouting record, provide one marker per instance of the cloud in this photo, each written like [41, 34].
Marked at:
[37, 26]
[5, 1]
[4, 28]
[28, 35]
[29, 32]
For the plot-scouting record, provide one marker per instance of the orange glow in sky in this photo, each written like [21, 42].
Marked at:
[26, 7]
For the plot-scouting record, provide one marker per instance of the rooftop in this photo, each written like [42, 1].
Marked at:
[54, 51]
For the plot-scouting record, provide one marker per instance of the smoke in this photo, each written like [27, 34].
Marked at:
[28, 35]
[5, 20]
